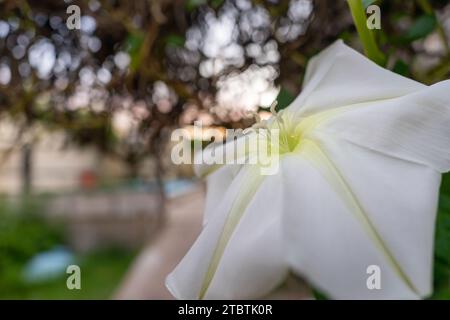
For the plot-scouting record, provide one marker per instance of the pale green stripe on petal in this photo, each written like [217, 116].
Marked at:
[252, 180]
[312, 152]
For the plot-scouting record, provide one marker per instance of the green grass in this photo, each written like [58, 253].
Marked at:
[23, 233]
[101, 273]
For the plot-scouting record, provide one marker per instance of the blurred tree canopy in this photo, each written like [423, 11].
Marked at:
[136, 69]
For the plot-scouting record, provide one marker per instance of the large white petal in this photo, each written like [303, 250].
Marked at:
[341, 76]
[400, 199]
[253, 263]
[415, 127]
[236, 151]
[238, 254]
[328, 243]
[217, 184]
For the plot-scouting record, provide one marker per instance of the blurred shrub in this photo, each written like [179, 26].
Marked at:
[442, 244]
[101, 274]
[23, 233]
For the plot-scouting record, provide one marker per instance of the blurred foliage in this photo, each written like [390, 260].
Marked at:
[24, 233]
[101, 274]
[442, 244]
[284, 98]
[422, 27]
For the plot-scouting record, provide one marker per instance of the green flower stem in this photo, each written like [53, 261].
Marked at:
[365, 34]
[425, 5]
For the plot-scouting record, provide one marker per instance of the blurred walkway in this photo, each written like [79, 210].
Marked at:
[145, 279]
[146, 276]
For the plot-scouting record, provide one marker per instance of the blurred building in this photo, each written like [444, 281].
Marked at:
[54, 167]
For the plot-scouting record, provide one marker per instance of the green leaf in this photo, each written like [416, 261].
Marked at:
[284, 99]
[216, 3]
[319, 295]
[192, 4]
[444, 202]
[422, 27]
[445, 185]
[134, 43]
[442, 244]
[401, 68]
[175, 40]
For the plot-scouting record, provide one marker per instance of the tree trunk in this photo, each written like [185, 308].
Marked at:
[27, 169]
[159, 176]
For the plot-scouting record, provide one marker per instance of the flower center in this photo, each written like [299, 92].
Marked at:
[288, 137]
[279, 130]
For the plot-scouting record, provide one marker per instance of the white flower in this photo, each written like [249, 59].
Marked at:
[357, 186]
